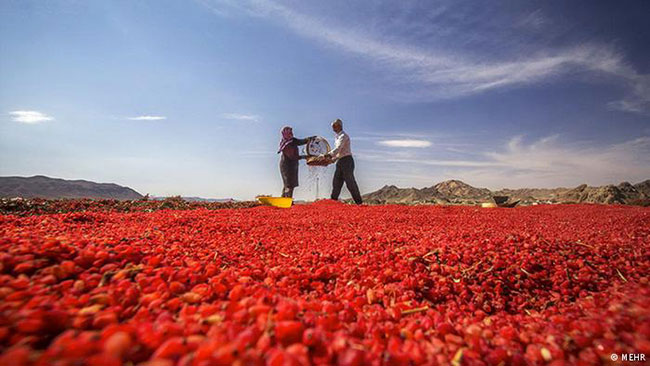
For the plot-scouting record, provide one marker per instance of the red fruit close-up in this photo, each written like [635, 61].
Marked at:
[389, 285]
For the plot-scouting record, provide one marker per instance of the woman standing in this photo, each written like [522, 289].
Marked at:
[289, 160]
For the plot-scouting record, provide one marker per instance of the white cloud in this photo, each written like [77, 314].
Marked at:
[448, 163]
[30, 117]
[405, 143]
[638, 99]
[241, 117]
[147, 118]
[546, 162]
[439, 73]
[533, 21]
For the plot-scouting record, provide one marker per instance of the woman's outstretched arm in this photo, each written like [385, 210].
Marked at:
[303, 141]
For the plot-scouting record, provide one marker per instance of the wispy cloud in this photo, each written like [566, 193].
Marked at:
[147, 118]
[30, 117]
[405, 143]
[549, 159]
[534, 21]
[447, 163]
[638, 98]
[241, 117]
[546, 162]
[391, 135]
[436, 72]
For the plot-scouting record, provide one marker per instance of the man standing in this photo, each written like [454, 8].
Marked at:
[342, 154]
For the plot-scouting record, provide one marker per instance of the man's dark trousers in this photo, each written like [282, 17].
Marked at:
[345, 173]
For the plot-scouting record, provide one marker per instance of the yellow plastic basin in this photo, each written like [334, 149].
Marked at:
[282, 202]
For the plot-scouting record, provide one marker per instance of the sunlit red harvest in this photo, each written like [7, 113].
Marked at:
[326, 283]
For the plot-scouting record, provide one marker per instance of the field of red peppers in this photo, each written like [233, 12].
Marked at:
[326, 283]
[38, 206]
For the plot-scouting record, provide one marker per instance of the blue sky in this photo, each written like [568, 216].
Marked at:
[188, 97]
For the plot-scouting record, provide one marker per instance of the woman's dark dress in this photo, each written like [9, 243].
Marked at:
[289, 163]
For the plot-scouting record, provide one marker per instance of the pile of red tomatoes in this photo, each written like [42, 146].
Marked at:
[326, 283]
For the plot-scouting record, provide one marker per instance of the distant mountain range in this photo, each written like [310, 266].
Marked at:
[447, 192]
[40, 186]
[457, 192]
[45, 187]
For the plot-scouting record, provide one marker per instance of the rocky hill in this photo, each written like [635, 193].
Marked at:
[643, 187]
[392, 194]
[45, 187]
[455, 189]
[457, 192]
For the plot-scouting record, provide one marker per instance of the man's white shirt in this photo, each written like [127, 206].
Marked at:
[341, 146]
